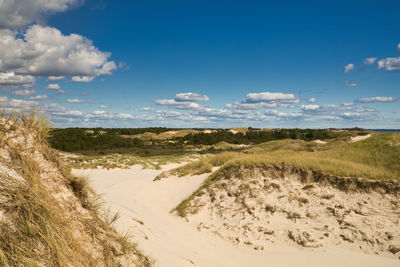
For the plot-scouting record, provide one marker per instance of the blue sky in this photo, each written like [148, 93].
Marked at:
[203, 63]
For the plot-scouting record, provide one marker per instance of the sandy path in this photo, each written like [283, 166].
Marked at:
[171, 241]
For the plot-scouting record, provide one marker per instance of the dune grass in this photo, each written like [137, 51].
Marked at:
[38, 229]
[377, 157]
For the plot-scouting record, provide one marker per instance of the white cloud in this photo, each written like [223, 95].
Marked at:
[350, 84]
[389, 64]
[203, 119]
[18, 13]
[24, 92]
[75, 100]
[69, 113]
[103, 106]
[39, 97]
[53, 86]
[16, 103]
[99, 112]
[265, 100]
[261, 105]
[146, 109]
[309, 107]
[345, 111]
[54, 78]
[53, 107]
[191, 97]
[168, 113]
[45, 51]
[349, 67]
[10, 78]
[311, 100]
[269, 97]
[176, 104]
[82, 79]
[398, 48]
[369, 61]
[378, 99]
[125, 116]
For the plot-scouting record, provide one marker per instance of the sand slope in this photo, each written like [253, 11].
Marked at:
[145, 208]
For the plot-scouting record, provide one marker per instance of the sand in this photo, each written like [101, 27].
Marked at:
[360, 137]
[145, 205]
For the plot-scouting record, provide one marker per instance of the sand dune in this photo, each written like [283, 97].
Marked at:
[145, 205]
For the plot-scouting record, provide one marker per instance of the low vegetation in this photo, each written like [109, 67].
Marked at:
[123, 161]
[162, 141]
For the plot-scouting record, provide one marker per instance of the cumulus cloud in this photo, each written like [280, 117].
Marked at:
[125, 116]
[18, 13]
[24, 92]
[261, 105]
[168, 113]
[10, 78]
[349, 67]
[82, 79]
[279, 114]
[269, 97]
[103, 106]
[69, 113]
[345, 111]
[39, 97]
[311, 100]
[265, 100]
[309, 107]
[16, 103]
[369, 61]
[177, 104]
[103, 115]
[350, 84]
[75, 100]
[146, 109]
[45, 51]
[191, 97]
[389, 64]
[378, 99]
[53, 86]
[54, 78]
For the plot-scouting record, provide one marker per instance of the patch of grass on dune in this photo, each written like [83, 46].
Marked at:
[377, 157]
[201, 166]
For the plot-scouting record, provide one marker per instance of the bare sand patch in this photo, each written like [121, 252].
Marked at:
[145, 208]
[360, 137]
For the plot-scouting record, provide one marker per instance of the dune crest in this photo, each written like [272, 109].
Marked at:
[49, 217]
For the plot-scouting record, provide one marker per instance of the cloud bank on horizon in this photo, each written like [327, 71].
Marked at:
[42, 67]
